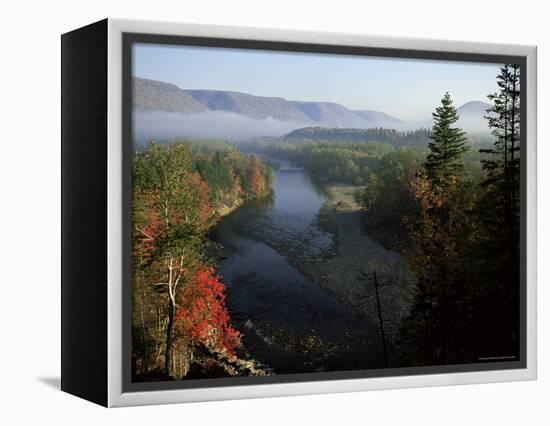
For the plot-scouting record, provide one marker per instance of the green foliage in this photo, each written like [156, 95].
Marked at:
[338, 135]
[501, 206]
[501, 162]
[464, 241]
[348, 162]
[177, 190]
[452, 211]
[216, 170]
[388, 197]
[448, 143]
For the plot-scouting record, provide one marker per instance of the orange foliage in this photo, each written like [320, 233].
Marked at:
[257, 179]
[205, 210]
[433, 238]
[237, 187]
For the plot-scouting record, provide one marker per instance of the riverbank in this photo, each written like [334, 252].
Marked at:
[229, 204]
[225, 207]
[348, 272]
[287, 321]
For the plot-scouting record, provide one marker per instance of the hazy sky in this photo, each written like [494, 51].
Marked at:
[408, 89]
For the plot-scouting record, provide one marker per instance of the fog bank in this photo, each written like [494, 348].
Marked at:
[154, 125]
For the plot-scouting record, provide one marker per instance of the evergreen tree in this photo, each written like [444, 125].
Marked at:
[502, 164]
[499, 207]
[447, 145]
[437, 238]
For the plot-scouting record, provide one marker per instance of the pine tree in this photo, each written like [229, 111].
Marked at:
[448, 144]
[436, 244]
[502, 164]
[499, 207]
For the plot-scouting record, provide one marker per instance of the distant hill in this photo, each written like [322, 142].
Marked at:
[166, 110]
[377, 118]
[476, 108]
[330, 114]
[154, 95]
[258, 107]
[471, 116]
[151, 95]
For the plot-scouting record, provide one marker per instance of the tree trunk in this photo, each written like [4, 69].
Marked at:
[169, 340]
[382, 334]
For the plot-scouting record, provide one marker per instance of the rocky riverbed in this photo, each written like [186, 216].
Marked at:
[347, 271]
[299, 269]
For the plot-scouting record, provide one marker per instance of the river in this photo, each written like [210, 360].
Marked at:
[288, 323]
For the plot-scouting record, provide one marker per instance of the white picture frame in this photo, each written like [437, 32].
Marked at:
[116, 393]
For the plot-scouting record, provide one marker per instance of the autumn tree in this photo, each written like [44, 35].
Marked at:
[202, 316]
[465, 242]
[257, 178]
[173, 194]
[178, 299]
[145, 232]
[438, 237]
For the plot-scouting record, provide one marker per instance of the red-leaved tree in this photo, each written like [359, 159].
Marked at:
[202, 315]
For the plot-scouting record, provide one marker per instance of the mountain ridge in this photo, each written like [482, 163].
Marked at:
[153, 95]
[148, 96]
[257, 107]
[277, 113]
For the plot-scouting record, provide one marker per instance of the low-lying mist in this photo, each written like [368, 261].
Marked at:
[468, 124]
[161, 125]
[155, 125]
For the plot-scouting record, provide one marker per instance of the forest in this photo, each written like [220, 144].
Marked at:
[180, 321]
[452, 206]
[445, 201]
[390, 136]
[464, 239]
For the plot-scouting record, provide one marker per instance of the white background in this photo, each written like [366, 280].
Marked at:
[30, 210]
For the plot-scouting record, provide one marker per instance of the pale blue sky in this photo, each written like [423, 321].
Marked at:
[406, 88]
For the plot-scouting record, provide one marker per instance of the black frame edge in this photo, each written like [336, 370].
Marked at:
[84, 212]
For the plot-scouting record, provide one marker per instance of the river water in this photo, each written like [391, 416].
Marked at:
[288, 322]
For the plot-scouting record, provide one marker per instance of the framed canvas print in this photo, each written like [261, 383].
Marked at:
[251, 213]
